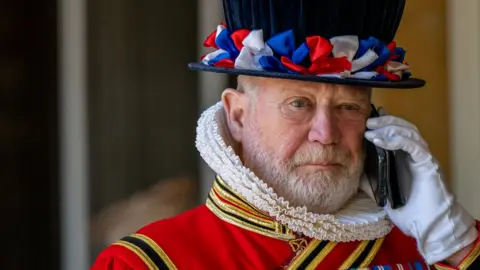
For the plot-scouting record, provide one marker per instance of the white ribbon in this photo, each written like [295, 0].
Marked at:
[363, 61]
[220, 28]
[212, 55]
[347, 46]
[396, 68]
[254, 48]
[343, 46]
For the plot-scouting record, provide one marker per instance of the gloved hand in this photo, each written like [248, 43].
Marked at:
[431, 214]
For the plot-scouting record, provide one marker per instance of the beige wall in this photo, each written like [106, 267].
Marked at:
[464, 73]
[422, 34]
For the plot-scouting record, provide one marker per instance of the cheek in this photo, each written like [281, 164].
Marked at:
[352, 138]
[288, 143]
[283, 137]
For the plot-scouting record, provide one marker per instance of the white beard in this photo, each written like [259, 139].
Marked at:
[359, 219]
[322, 191]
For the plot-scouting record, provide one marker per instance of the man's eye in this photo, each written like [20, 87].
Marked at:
[349, 107]
[299, 103]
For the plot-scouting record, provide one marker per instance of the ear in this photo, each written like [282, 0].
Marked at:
[234, 104]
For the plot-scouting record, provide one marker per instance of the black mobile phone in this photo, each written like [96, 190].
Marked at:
[380, 165]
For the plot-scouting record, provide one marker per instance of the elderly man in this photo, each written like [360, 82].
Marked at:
[288, 147]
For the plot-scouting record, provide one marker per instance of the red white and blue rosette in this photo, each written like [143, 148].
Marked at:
[344, 57]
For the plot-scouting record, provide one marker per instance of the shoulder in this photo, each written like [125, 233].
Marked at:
[148, 247]
[120, 256]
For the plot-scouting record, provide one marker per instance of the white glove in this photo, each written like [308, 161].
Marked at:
[431, 214]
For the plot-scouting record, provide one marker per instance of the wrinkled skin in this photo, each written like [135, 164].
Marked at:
[304, 139]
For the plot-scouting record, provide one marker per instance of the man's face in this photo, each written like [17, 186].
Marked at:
[305, 140]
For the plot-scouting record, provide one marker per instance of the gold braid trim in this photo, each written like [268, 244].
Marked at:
[218, 184]
[242, 213]
[355, 254]
[236, 210]
[439, 267]
[473, 256]
[319, 258]
[148, 262]
[157, 249]
[244, 225]
[297, 261]
[373, 252]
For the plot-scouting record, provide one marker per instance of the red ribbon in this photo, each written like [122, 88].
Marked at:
[381, 69]
[320, 50]
[225, 62]
[210, 40]
[238, 37]
[389, 75]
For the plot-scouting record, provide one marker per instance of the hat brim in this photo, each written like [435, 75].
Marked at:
[405, 84]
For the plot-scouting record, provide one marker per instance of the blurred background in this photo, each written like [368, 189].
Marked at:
[98, 113]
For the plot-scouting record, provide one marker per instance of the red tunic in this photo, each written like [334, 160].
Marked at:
[229, 233]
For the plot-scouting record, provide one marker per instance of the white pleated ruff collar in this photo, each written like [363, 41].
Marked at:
[359, 219]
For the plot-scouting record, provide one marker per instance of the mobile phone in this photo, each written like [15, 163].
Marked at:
[380, 165]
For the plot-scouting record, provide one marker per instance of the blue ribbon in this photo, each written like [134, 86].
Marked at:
[218, 58]
[380, 49]
[401, 54]
[283, 44]
[300, 53]
[225, 42]
[271, 63]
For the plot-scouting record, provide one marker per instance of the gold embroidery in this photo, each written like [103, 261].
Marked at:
[439, 267]
[231, 207]
[298, 244]
[239, 212]
[319, 258]
[297, 260]
[148, 262]
[247, 226]
[219, 185]
[157, 249]
[373, 252]
[351, 259]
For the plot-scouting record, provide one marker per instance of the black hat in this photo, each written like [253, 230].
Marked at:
[335, 41]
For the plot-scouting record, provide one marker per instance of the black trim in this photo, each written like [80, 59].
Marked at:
[238, 217]
[313, 254]
[225, 188]
[363, 255]
[405, 84]
[148, 250]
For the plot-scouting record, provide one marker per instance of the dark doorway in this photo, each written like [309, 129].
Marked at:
[28, 135]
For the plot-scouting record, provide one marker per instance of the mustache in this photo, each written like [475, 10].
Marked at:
[321, 154]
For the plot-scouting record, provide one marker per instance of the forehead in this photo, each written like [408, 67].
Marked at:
[281, 87]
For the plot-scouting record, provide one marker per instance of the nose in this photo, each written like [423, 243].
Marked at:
[324, 127]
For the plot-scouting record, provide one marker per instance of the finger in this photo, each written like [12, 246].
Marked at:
[382, 111]
[391, 131]
[416, 151]
[389, 120]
